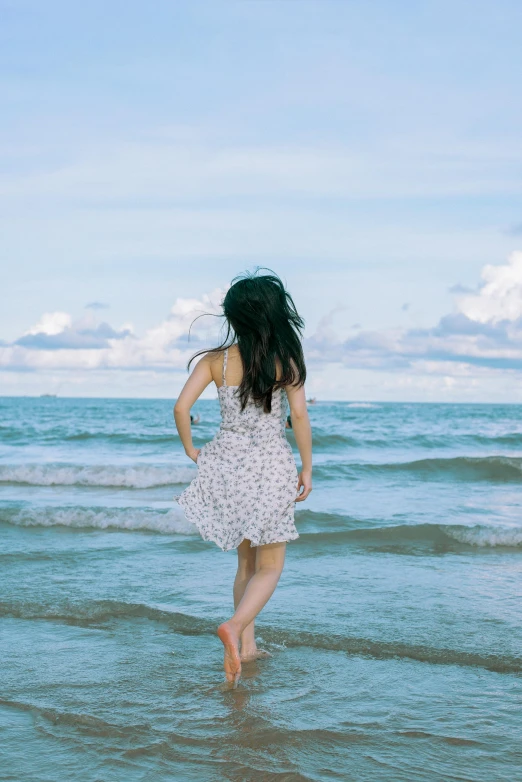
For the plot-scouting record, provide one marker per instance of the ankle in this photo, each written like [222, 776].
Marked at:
[234, 625]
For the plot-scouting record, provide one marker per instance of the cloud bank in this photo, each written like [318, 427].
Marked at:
[482, 333]
[485, 329]
[57, 342]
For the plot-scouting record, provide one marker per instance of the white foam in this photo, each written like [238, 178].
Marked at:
[170, 522]
[142, 476]
[486, 536]
[362, 404]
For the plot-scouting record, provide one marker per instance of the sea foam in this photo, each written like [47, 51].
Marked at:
[484, 536]
[139, 476]
[168, 522]
[174, 522]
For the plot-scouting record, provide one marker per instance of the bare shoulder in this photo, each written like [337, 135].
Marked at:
[208, 363]
[214, 361]
[212, 357]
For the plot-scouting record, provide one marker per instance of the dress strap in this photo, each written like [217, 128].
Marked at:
[225, 356]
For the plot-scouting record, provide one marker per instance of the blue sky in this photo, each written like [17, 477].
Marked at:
[368, 152]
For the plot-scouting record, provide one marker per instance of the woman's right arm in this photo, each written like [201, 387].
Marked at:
[303, 437]
[199, 379]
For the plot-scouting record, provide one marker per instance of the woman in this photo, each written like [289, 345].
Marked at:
[247, 483]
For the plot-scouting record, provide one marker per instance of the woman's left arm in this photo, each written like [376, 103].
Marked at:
[199, 379]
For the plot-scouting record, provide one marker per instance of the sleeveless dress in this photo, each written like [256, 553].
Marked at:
[246, 481]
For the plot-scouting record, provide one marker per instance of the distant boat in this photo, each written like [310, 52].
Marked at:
[312, 400]
[53, 395]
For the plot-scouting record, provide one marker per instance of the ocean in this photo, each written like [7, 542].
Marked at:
[395, 631]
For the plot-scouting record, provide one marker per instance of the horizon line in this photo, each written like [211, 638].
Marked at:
[337, 401]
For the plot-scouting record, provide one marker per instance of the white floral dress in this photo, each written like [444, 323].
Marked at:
[246, 483]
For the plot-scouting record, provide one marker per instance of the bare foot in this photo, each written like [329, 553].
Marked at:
[254, 654]
[232, 661]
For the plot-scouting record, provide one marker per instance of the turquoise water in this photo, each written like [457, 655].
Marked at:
[395, 631]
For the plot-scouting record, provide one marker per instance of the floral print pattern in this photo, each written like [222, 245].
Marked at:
[246, 483]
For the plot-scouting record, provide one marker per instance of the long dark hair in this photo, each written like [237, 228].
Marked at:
[261, 316]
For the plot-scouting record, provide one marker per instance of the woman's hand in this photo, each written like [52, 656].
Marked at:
[304, 483]
[193, 454]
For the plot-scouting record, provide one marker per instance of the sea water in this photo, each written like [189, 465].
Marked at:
[395, 631]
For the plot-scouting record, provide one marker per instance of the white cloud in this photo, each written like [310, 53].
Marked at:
[57, 342]
[485, 330]
[480, 339]
[51, 323]
[500, 297]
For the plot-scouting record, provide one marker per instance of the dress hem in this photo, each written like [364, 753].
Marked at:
[243, 536]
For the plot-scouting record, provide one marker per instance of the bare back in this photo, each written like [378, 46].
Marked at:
[234, 368]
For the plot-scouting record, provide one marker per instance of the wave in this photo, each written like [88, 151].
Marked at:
[100, 612]
[444, 440]
[430, 442]
[170, 522]
[87, 722]
[332, 440]
[475, 468]
[120, 437]
[494, 469]
[86, 613]
[146, 476]
[30, 435]
[173, 522]
[142, 476]
[406, 536]
[184, 749]
[338, 528]
[484, 536]
[324, 438]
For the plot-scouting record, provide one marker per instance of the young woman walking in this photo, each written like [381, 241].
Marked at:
[247, 483]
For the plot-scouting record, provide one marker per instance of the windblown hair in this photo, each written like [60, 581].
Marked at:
[261, 317]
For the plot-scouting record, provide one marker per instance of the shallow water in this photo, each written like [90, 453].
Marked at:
[395, 632]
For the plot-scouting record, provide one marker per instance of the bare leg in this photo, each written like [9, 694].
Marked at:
[246, 567]
[269, 566]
